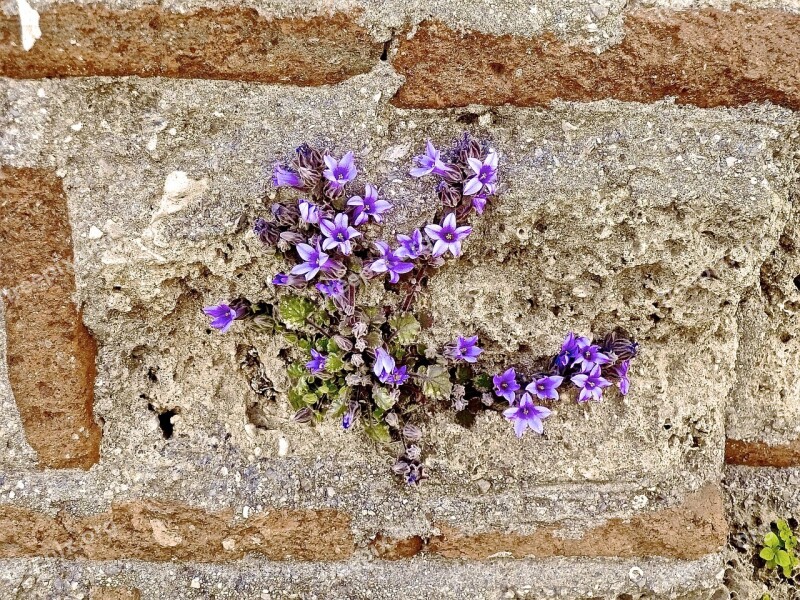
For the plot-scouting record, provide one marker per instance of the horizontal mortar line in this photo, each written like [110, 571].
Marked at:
[761, 454]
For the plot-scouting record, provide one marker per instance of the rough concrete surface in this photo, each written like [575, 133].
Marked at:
[673, 222]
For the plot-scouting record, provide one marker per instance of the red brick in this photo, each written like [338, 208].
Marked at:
[704, 57]
[229, 43]
[51, 354]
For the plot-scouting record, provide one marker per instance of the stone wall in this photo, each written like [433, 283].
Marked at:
[649, 165]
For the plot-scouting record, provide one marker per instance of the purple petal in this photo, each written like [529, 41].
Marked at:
[472, 187]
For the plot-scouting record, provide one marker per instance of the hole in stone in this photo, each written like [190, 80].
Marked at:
[786, 242]
[797, 282]
[654, 318]
[151, 375]
[165, 420]
[385, 54]
[667, 425]
[556, 310]
[468, 118]
[497, 67]
[786, 337]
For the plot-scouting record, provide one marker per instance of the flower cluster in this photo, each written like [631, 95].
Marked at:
[588, 365]
[365, 365]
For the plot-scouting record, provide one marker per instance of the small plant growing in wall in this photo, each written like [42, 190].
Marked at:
[348, 306]
[779, 549]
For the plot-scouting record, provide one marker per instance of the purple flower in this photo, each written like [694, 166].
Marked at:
[430, 162]
[569, 350]
[620, 370]
[314, 260]
[351, 416]
[447, 236]
[465, 349]
[284, 177]
[384, 363]
[368, 206]
[410, 245]
[338, 234]
[545, 387]
[479, 203]
[526, 415]
[506, 384]
[222, 316]
[295, 281]
[397, 376]
[589, 355]
[317, 362]
[309, 211]
[591, 384]
[389, 262]
[341, 171]
[333, 288]
[485, 174]
[479, 200]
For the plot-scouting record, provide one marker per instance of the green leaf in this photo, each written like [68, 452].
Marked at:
[334, 363]
[436, 384]
[406, 328]
[378, 432]
[339, 403]
[374, 339]
[296, 395]
[332, 346]
[783, 558]
[767, 553]
[771, 564]
[463, 374]
[294, 311]
[483, 382]
[787, 572]
[375, 315]
[296, 371]
[263, 323]
[310, 399]
[382, 398]
[772, 540]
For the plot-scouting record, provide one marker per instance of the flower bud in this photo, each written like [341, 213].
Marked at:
[267, 232]
[414, 452]
[304, 415]
[448, 195]
[412, 433]
[293, 237]
[401, 467]
[343, 343]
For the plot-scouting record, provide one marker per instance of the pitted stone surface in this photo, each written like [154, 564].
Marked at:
[616, 214]
[571, 579]
[672, 222]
